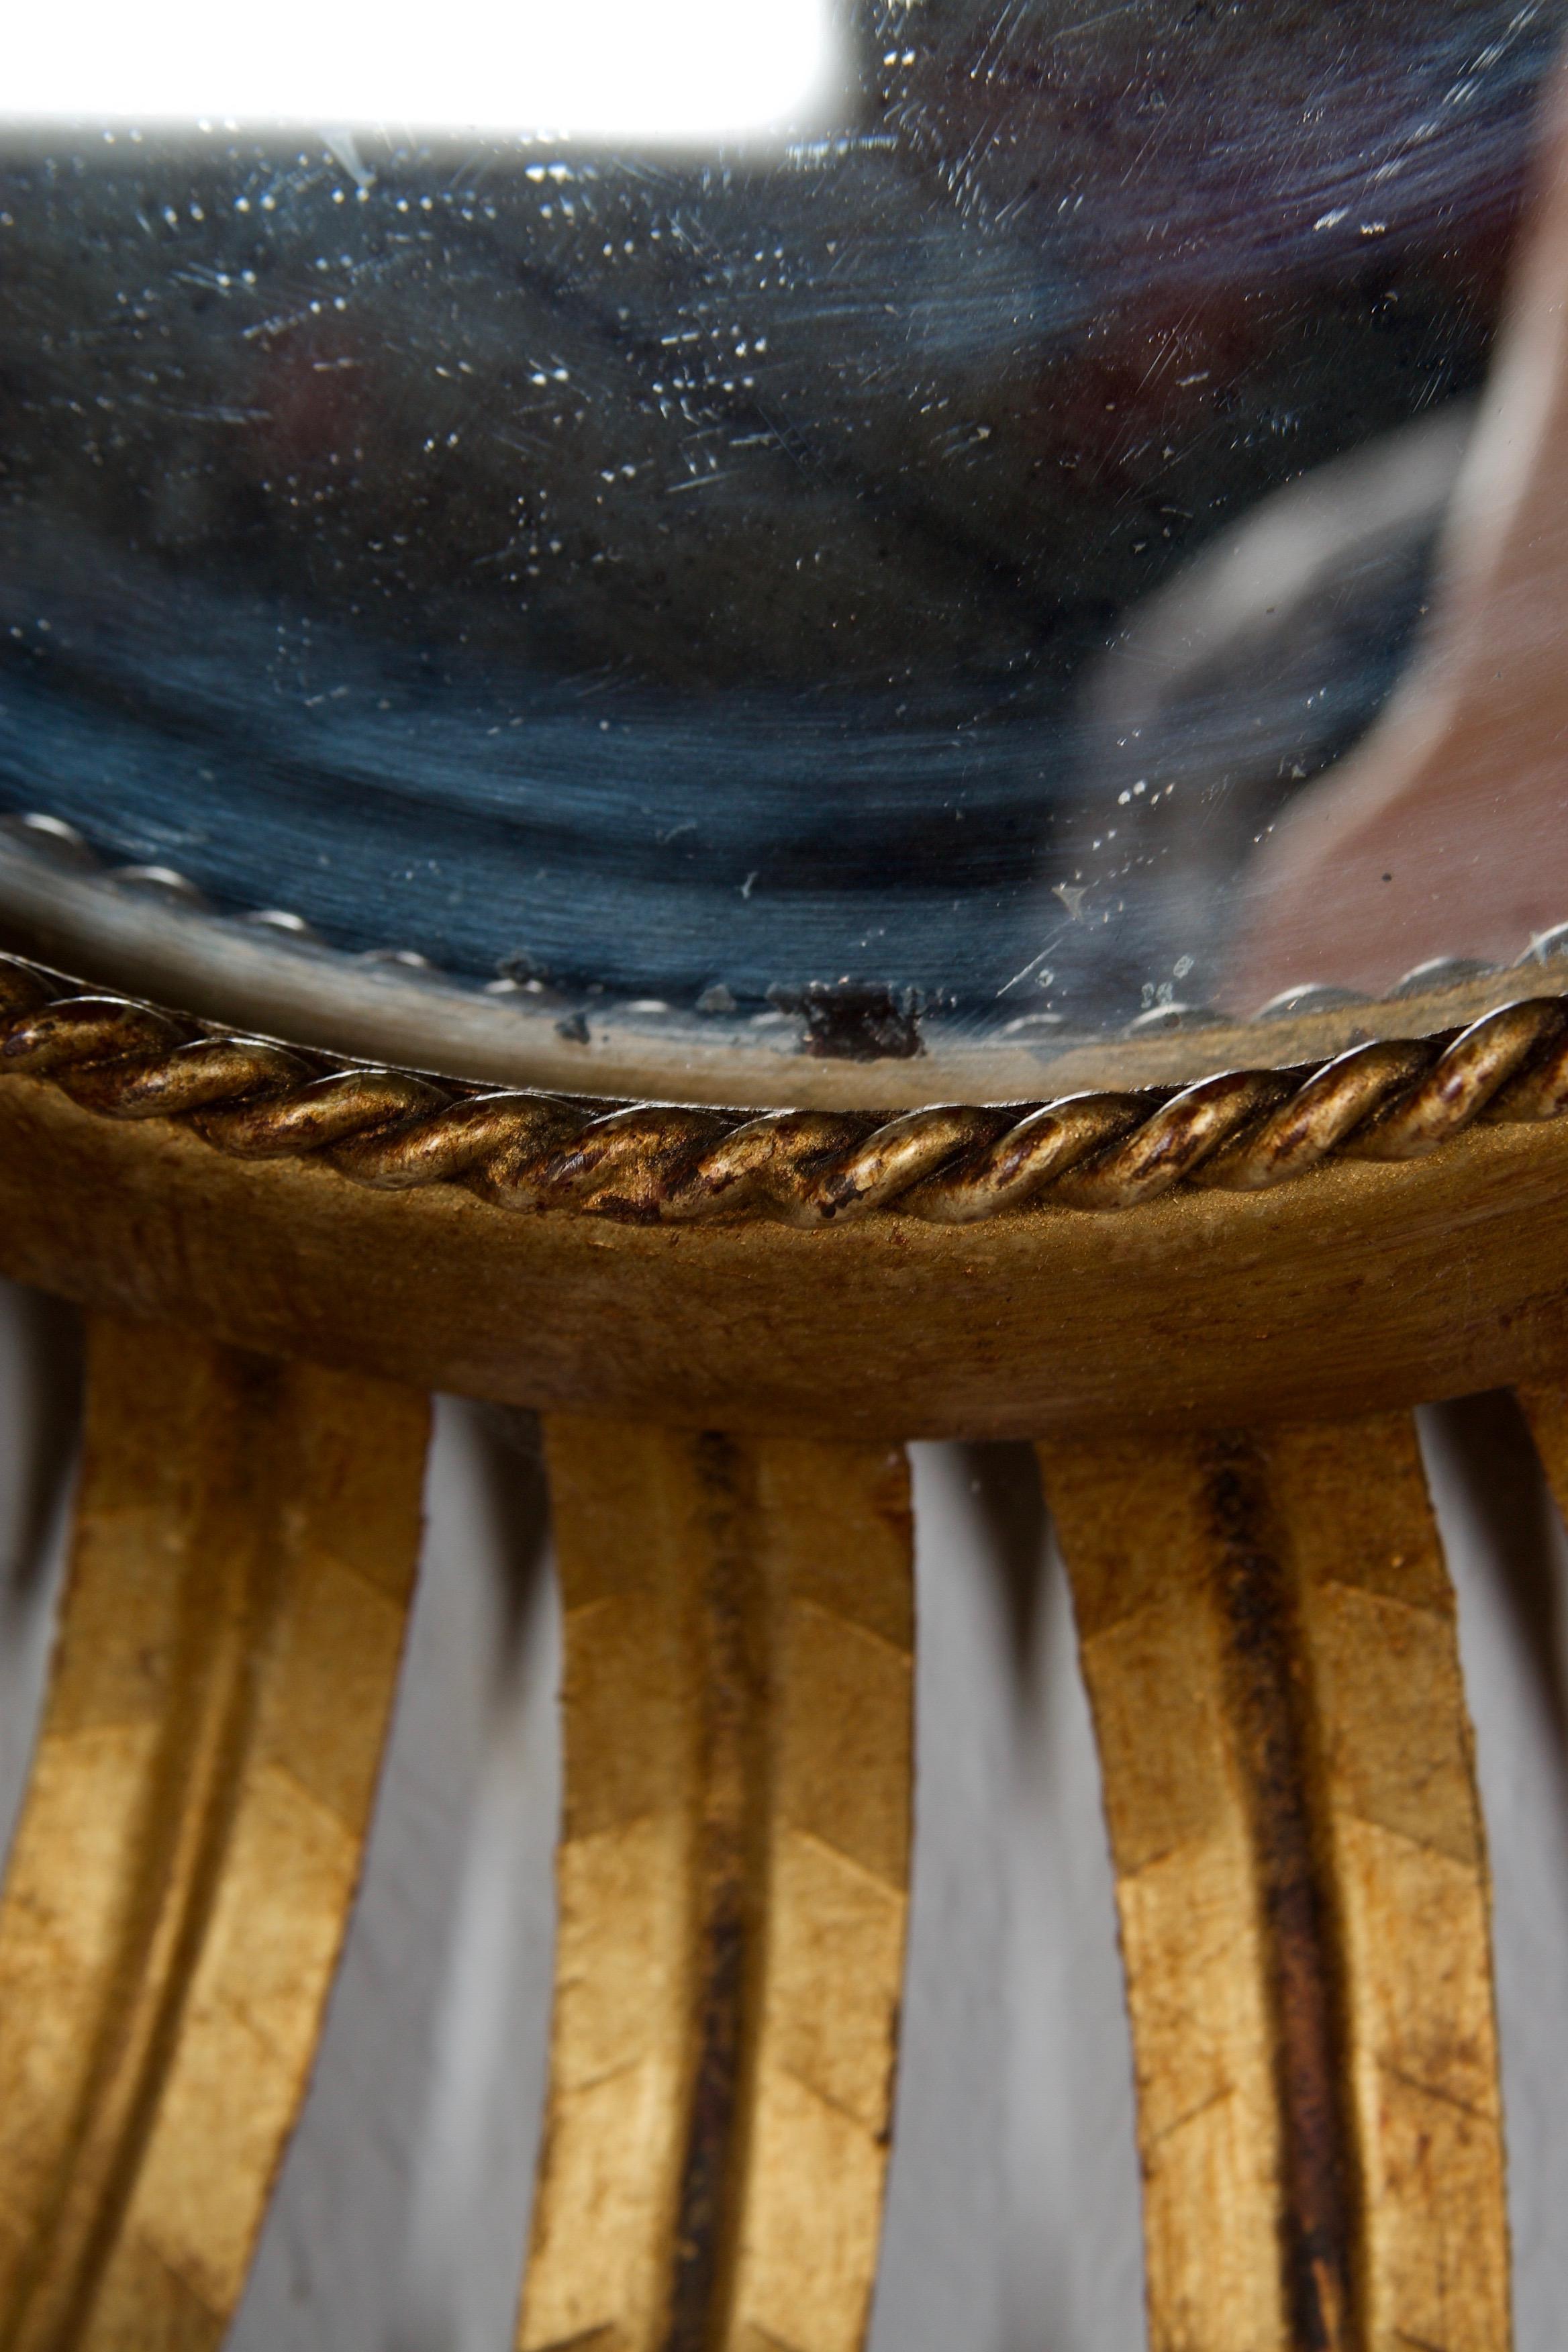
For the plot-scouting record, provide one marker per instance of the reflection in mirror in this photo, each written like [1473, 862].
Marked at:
[953, 578]
[1441, 835]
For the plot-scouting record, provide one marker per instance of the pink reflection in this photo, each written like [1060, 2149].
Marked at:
[1444, 834]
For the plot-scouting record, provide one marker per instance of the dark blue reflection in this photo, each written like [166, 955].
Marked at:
[661, 573]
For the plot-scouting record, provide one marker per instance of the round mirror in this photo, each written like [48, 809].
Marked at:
[893, 610]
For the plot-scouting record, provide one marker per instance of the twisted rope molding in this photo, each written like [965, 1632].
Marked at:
[1240, 1131]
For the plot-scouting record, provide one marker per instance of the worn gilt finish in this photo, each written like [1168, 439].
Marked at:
[733, 1873]
[181, 1876]
[1546, 1410]
[1371, 1287]
[1241, 1130]
[733, 1311]
[730, 1321]
[1268, 1635]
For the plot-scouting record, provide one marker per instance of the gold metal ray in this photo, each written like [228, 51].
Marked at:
[1545, 1409]
[190, 1840]
[1267, 1634]
[733, 1873]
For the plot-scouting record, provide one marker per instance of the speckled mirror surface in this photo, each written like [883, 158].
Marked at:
[887, 597]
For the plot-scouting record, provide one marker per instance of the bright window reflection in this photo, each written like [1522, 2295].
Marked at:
[678, 70]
